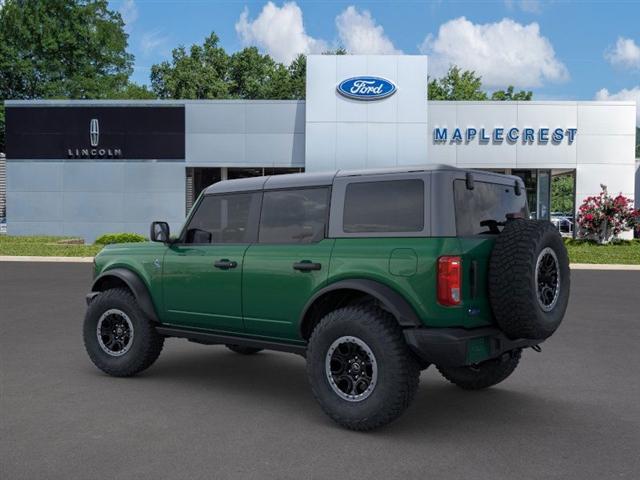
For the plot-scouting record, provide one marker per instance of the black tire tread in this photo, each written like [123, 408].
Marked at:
[152, 341]
[385, 327]
[511, 276]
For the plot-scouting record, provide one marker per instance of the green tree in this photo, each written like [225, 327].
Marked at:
[208, 72]
[562, 193]
[256, 76]
[457, 85]
[61, 49]
[337, 51]
[200, 73]
[134, 91]
[298, 74]
[510, 95]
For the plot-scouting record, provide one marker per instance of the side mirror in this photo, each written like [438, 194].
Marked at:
[160, 232]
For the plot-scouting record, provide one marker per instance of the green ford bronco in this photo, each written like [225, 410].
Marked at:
[370, 275]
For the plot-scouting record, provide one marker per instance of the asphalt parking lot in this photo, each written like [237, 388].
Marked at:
[572, 411]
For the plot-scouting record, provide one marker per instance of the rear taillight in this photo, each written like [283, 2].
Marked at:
[449, 280]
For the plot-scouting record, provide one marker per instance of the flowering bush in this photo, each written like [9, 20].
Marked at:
[604, 217]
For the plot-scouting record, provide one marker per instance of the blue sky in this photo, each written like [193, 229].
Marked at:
[559, 49]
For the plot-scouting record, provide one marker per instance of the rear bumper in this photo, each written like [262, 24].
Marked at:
[456, 347]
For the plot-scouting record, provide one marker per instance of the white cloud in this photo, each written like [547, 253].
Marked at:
[360, 34]
[626, 53]
[151, 41]
[632, 94]
[504, 53]
[278, 31]
[129, 13]
[528, 6]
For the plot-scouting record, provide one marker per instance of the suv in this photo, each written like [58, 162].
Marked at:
[371, 275]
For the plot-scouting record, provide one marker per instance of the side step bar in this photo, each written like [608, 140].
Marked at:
[220, 339]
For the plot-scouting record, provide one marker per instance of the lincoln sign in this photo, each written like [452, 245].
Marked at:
[510, 135]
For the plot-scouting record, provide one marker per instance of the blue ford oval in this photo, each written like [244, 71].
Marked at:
[366, 88]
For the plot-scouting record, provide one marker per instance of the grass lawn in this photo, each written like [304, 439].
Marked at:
[579, 251]
[44, 246]
[589, 252]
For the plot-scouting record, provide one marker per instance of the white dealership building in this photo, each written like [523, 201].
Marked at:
[83, 168]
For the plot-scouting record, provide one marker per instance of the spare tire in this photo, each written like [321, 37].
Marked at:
[529, 279]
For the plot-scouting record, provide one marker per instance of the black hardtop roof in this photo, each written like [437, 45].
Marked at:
[293, 180]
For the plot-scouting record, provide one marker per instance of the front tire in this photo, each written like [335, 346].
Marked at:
[360, 369]
[120, 340]
[485, 374]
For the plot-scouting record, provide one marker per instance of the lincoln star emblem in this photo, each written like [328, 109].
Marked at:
[94, 132]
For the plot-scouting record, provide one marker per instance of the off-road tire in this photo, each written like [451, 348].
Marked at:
[241, 349]
[485, 374]
[146, 344]
[513, 291]
[398, 371]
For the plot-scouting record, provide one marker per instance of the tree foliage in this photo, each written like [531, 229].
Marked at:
[207, 72]
[510, 95]
[458, 84]
[562, 193]
[62, 49]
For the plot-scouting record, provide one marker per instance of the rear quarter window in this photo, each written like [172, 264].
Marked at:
[384, 206]
[476, 209]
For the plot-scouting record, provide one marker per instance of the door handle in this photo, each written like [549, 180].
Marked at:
[306, 266]
[225, 264]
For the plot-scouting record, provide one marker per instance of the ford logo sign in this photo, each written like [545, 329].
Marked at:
[366, 88]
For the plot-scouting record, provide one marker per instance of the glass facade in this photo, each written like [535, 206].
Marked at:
[199, 178]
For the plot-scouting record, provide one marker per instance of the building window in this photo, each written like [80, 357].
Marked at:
[259, 172]
[385, 206]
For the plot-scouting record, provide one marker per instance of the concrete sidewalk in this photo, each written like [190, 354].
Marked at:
[13, 258]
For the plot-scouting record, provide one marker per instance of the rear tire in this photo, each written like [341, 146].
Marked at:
[360, 369]
[485, 374]
[241, 349]
[120, 340]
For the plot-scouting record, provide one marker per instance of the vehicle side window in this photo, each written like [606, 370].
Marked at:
[384, 206]
[294, 216]
[483, 209]
[229, 218]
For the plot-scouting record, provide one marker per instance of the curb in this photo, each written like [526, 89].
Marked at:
[9, 258]
[573, 266]
[603, 266]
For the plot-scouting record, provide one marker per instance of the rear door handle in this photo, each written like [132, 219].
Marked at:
[225, 264]
[307, 266]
